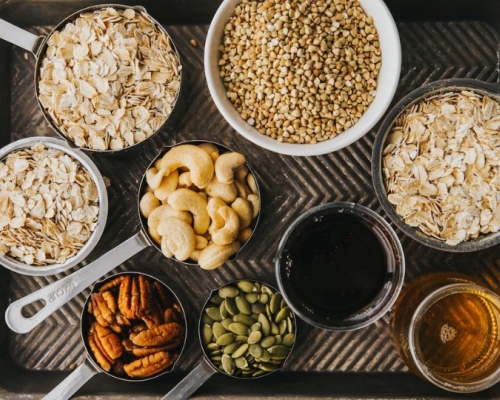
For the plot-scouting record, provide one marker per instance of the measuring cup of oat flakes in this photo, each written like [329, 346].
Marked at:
[134, 329]
[53, 206]
[445, 327]
[198, 202]
[106, 78]
[246, 330]
[435, 165]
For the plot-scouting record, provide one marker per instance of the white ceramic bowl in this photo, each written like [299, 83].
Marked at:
[387, 83]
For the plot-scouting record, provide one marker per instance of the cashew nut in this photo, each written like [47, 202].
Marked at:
[211, 149]
[195, 255]
[167, 186]
[185, 179]
[254, 201]
[226, 164]
[241, 173]
[149, 202]
[227, 234]
[244, 211]
[188, 200]
[153, 234]
[252, 184]
[225, 191]
[197, 160]
[181, 234]
[244, 235]
[165, 211]
[213, 211]
[154, 177]
[201, 242]
[168, 247]
[214, 255]
[242, 189]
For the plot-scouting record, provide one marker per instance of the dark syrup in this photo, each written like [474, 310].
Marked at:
[338, 265]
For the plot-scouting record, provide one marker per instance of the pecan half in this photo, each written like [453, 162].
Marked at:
[150, 365]
[108, 341]
[139, 351]
[158, 335]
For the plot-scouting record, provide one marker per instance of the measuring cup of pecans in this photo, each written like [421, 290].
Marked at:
[53, 206]
[107, 77]
[134, 329]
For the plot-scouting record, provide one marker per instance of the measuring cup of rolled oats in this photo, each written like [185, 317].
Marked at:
[107, 77]
[53, 206]
[445, 327]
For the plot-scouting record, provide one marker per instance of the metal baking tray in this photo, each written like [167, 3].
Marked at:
[440, 39]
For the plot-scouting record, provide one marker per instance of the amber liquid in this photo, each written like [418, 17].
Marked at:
[456, 339]
[338, 265]
[458, 334]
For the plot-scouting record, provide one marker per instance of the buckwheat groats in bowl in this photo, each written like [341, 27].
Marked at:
[436, 165]
[109, 78]
[53, 206]
[319, 72]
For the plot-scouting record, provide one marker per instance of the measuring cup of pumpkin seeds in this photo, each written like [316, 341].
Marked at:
[246, 331]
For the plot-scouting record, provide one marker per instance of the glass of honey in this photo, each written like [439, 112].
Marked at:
[340, 266]
[445, 327]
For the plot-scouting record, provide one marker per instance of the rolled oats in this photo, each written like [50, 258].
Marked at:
[49, 206]
[109, 79]
[441, 166]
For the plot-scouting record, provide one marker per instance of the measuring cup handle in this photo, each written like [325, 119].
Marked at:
[63, 290]
[15, 35]
[73, 382]
[197, 377]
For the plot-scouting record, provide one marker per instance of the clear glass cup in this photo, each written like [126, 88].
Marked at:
[445, 326]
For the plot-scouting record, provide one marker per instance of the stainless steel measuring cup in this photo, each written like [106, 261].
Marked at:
[246, 331]
[58, 144]
[60, 292]
[160, 296]
[38, 46]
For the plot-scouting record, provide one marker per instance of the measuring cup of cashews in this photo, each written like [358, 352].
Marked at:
[199, 204]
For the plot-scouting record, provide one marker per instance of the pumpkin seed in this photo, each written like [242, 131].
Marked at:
[259, 372]
[288, 339]
[275, 302]
[206, 320]
[240, 351]
[255, 350]
[242, 338]
[246, 286]
[231, 306]
[279, 350]
[212, 346]
[282, 327]
[267, 290]
[258, 308]
[216, 299]
[228, 291]
[231, 348]
[227, 364]
[268, 341]
[214, 313]
[256, 327]
[289, 325]
[264, 298]
[268, 367]
[244, 319]
[252, 297]
[218, 330]
[241, 362]
[238, 328]
[225, 339]
[254, 337]
[243, 305]
[216, 359]
[223, 311]
[214, 353]
[264, 322]
[265, 356]
[226, 322]
[279, 339]
[274, 329]
[282, 314]
[206, 334]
